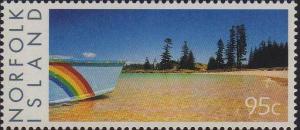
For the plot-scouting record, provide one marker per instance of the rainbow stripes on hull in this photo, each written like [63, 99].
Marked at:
[73, 80]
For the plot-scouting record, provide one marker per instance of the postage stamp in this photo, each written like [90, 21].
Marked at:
[149, 65]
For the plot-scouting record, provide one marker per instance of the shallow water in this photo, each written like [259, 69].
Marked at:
[179, 97]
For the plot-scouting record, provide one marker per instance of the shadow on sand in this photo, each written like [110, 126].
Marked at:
[97, 98]
[70, 103]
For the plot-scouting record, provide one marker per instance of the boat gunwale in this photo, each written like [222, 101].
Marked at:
[100, 63]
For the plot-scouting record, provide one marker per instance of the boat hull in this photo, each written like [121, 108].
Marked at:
[78, 81]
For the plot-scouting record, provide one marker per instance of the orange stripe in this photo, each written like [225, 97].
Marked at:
[76, 79]
[82, 79]
[68, 79]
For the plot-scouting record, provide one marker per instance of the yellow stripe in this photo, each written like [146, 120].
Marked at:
[74, 77]
[70, 80]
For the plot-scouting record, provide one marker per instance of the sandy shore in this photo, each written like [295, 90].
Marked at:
[182, 97]
[254, 72]
[273, 74]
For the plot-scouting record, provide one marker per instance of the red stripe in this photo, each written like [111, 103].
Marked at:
[78, 75]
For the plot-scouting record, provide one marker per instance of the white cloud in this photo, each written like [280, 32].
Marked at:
[89, 55]
[60, 57]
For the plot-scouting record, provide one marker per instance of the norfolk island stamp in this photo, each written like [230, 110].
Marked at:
[149, 65]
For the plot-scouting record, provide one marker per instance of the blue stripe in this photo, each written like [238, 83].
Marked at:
[61, 85]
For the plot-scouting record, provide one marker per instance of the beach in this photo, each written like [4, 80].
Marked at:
[168, 97]
[266, 73]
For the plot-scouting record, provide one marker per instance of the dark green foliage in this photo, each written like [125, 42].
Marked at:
[155, 64]
[231, 49]
[166, 57]
[187, 60]
[240, 45]
[285, 54]
[251, 56]
[183, 63]
[212, 64]
[219, 54]
[133, 67]
[268, 55]
[191, 61]
[147, 65]
[236, 47]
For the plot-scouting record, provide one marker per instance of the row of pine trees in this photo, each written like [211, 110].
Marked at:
[232, 55]
[235, 51]
[187, 60]
[268, 54]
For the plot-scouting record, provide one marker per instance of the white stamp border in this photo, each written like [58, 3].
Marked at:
[44, 8]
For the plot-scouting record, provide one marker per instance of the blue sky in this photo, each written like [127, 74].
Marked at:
[132, 35]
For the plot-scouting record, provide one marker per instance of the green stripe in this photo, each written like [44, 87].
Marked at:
[65, 82]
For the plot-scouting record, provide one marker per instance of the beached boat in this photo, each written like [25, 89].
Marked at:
[74, 80]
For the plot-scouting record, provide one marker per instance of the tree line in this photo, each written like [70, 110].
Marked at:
[234, 53]
[269, 54]
[231, 55]
[186, 61]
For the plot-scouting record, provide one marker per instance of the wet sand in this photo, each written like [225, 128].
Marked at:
[180, 97]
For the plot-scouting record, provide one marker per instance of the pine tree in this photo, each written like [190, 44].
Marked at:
[230, 50]
[212, 64]
[268, 55]
[261, 55]
[183, 63]
[219, 54]
[255, 58]
[154, 66]
[276, 54]
[285, 55]
[191, 61]
[166, 62]
[251, 57]
[147, 64]
[240, 45]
